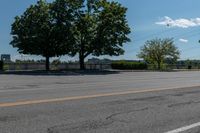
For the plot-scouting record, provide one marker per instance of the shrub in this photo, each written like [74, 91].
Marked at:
[123, 65]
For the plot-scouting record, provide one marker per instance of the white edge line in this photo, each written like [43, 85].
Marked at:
[185, 128]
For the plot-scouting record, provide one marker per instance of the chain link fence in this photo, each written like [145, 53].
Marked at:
[75, 66]
[62, 66]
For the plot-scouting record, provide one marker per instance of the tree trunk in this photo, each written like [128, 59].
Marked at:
[159, 65]
[47, 64]
[81, 61]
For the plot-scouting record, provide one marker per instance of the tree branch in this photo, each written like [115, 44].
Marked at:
[88, 53]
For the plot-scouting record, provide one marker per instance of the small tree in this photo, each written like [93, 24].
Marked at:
[38, 32]
[156, 51]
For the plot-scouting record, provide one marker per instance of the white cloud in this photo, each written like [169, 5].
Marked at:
[183, 40]
[181, 23]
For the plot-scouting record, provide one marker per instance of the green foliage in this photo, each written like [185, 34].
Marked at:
[38, 32]
[56, 63]
[100, 27]
[123, 65]
[84, 27]
[157, 51]
[6, 67]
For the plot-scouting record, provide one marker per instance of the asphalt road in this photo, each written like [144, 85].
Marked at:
[134, 102]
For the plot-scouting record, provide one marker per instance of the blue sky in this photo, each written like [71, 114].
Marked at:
[148, 19]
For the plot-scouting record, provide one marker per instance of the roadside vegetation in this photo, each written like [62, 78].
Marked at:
[158, 52]
[124, 65]
[85, 28]
[71, 27]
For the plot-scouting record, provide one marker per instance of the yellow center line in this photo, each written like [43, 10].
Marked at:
[31, 102]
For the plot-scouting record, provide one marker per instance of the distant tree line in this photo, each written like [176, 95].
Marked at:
[188, 62]
[71, 27]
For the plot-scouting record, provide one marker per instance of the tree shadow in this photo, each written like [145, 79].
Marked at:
[60, 73]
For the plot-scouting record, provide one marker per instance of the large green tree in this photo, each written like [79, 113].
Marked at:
[39, 32]
[99, 27]
[156, 51]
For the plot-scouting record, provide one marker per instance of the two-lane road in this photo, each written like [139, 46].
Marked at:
[135, 102]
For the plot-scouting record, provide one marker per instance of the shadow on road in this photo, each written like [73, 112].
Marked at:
[60, 73]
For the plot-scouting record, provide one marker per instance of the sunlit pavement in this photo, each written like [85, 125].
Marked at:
[139, 102]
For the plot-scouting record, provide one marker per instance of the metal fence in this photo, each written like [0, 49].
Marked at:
[75, 66]
[63, 66]
[176, 67]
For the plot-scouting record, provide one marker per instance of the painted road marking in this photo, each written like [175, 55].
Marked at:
[185, 128]
[20, 103]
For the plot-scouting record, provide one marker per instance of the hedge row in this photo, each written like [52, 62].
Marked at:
[123, 65]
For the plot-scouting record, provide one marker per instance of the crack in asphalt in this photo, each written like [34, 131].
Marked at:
[127, 112]
[79, 127]
[189, 92]
[183, 104]
[24, 87]
[90, 124]
[180, 104]
[152, 98]
[7, 118]
[146, 98]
